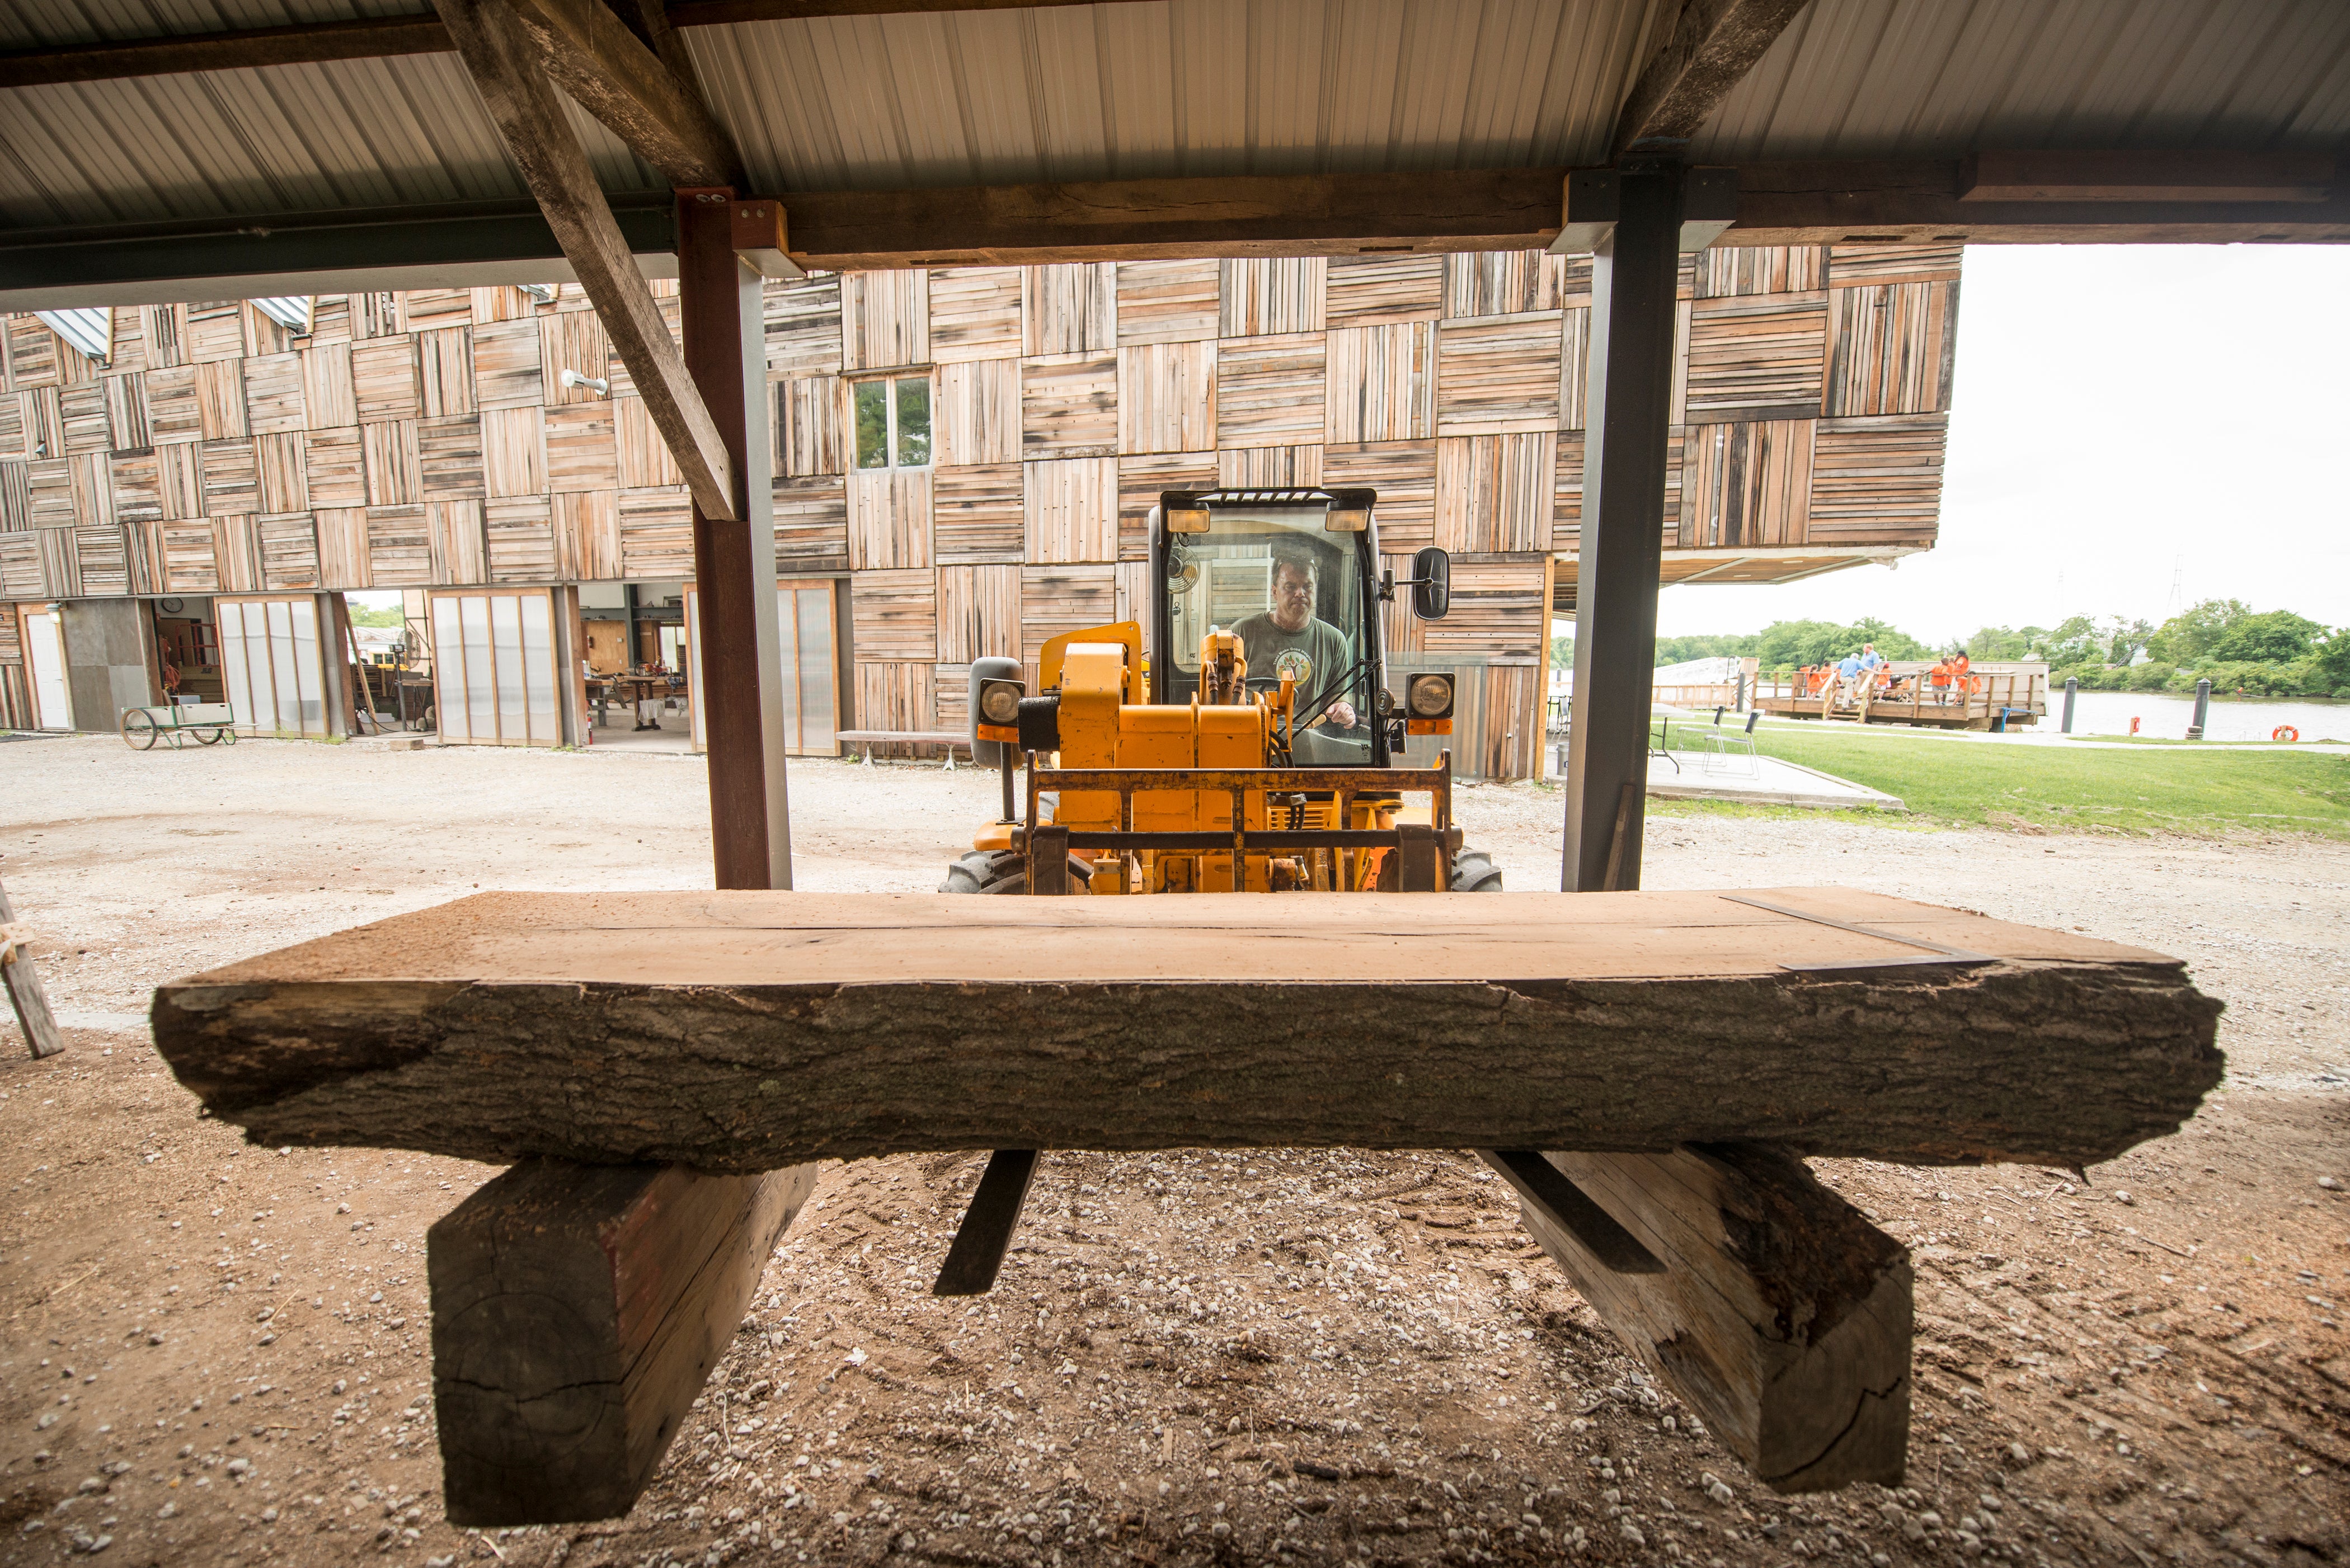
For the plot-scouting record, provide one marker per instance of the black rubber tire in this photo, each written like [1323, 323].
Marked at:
[1474, 872]
[138, 730]
[1001, 871]
[976, 869]
[211, 740]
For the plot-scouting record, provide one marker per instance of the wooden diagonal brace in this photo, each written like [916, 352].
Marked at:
[1712, 45]
[985, 1233]
[520, 98]
[592, 56]
[23, 987]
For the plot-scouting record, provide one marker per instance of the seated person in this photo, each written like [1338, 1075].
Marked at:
[1289, 627]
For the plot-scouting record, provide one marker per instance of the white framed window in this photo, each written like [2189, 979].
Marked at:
[890, 416]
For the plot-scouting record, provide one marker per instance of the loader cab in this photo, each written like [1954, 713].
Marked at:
[1295, 572]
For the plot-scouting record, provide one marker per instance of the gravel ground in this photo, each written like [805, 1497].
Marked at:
[217, 1355]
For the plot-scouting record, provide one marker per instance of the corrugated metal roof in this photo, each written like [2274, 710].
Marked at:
[35, 24]
[1871, 78]
[350, 133]
[1172, 88]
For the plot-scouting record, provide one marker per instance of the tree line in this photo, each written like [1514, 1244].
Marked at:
[2256, 653]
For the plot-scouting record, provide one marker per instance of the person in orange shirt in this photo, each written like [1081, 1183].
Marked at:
[1941, 677]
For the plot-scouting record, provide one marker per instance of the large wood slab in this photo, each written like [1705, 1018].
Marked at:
[741, 1031]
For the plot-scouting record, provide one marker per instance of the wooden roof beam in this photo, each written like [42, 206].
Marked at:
[521, 99]
[369, 37]
[1712, 46]
[615, 77]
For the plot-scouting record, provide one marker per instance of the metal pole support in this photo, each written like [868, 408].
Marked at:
[2071, 689]
[2202, 709]
[1633, 278]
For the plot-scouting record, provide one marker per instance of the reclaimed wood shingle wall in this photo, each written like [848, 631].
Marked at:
[430, 438]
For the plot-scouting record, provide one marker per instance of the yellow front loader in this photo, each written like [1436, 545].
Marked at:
[1249, 741]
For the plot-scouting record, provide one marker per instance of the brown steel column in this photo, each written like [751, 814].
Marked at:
[735, 560]
[1633, 282]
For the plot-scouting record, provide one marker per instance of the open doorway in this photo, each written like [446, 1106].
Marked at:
[640, 673]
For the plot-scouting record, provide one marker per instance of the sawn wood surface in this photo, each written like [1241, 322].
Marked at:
[742, 1032]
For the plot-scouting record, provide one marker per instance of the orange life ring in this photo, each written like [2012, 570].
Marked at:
[2284, 732]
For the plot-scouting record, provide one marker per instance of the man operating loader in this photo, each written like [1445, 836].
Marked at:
[1288, 637]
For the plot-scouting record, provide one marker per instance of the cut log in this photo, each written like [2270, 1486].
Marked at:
[751, 1030]
[576, 1311]
[1782, 1317]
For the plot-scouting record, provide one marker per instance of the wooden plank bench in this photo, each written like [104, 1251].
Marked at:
[1676, 1054]
[208, 724]
[868, 738]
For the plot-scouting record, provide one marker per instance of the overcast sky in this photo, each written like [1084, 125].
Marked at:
[2121, 413]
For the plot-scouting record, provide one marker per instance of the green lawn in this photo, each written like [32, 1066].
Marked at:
[2148, 790]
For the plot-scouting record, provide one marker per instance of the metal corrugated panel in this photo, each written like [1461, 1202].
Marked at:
[351, 133]
[1172, 87]
[1867, 78]
[33, 24]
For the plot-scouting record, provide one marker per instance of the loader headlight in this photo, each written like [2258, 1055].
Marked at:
[999, 702]
[1430, 696]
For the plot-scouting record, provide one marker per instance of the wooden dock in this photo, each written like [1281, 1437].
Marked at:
[1991, 697]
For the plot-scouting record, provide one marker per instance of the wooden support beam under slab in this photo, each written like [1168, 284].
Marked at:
[1711, 46]
[521, 99]
[616, 78]
[1781, 1316]
[577, 1311]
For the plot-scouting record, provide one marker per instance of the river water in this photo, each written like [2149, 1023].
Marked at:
[2161, 713]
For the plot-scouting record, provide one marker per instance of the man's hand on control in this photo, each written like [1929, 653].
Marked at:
[1342, 714]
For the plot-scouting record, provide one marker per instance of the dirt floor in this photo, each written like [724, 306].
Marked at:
[217, 1355]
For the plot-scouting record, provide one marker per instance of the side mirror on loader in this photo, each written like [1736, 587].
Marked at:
[1431, 584]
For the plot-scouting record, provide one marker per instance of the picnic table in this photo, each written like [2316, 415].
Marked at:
[209, 722]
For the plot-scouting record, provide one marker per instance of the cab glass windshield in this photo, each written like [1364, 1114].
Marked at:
[1291, 590]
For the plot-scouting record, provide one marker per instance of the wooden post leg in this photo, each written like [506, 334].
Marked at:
[576, 1311]
[24, 992]
[985, 1235]
[1782, 1315]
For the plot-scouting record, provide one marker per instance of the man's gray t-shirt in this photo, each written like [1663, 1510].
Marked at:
[1325, 649]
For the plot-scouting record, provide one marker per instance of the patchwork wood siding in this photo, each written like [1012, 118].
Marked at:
[1756, 356]
[1891, 347]
[1167, 397]
[1270, 390]
[1498, 375]
[977, 412]
[1381, 382]
[1069, 310]
[428, 439]
[1746, 484]
[979, 514]
[1876, 480]
[1071, 510]
[975, 314]
[1068, 406]
[1168, 302]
